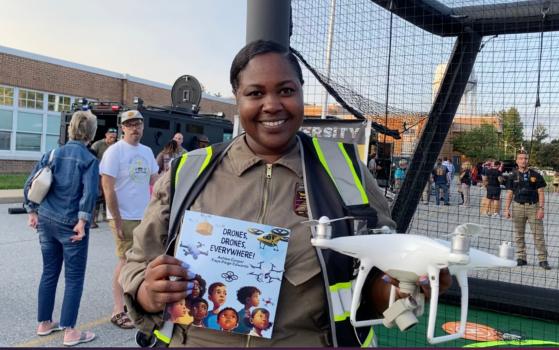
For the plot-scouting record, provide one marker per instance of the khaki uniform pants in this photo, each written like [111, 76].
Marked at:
[522, 213]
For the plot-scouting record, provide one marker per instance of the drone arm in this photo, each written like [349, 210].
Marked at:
[433, 304]
[462, 277]
[364, 270]
[392, 298]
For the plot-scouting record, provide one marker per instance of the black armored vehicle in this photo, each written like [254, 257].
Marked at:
[161, 122]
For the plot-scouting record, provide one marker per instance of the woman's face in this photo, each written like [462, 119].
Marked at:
[270, 101]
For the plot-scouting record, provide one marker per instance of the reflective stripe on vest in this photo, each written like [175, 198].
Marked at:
[190, 166]
[370, 340]
[197, 159]
[164, 338]
[341, 294]
[340, 169]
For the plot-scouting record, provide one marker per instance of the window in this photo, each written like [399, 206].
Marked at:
[28, 142]
[6, 123]
[30, 99]
[6, 96]
[227, 136]
[29, 131]
[58, 103]
[5, 137]
[155, 123]
[53, 124]
[53, 131]
[30, 122]
[195, 129]
[6, 119]
[51, 142]
[33, 123]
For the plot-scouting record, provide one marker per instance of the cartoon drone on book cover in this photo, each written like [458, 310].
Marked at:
[265, 272]
[271, 239]
[195, 252]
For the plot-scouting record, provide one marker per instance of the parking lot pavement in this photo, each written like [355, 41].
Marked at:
[20, 269]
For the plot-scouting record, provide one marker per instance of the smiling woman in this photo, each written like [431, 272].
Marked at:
[258, 177]
[269, 92]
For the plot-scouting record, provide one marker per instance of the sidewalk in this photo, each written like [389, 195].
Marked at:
[11, 196]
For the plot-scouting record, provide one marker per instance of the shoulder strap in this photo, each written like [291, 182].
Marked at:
[336, 158]
[189, 173]
[51, 158]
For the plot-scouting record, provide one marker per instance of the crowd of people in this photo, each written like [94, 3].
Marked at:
[109, 178]
[524, 198]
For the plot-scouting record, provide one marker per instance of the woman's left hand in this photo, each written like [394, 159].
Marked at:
[79, 229]
[445, 281]
[33, 220]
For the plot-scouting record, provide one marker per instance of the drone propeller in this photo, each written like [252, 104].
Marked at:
[255, 231]
[468, 229]
[280, 231]
[324, 220]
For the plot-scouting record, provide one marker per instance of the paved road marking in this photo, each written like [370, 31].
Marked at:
[46, 339]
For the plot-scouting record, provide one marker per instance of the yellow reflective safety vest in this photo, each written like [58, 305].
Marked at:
[334, 186]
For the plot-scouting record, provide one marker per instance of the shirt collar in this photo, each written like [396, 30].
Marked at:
[76, 142]
[243, 158]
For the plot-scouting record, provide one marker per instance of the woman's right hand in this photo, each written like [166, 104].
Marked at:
[165, 281]
[33, 220]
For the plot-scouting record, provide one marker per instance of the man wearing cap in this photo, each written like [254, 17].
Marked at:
[99, 147]
[202, 141]
[128, 168]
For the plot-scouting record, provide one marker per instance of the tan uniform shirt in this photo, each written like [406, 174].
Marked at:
[240, 188]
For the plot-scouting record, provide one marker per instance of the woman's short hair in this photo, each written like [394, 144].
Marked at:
[260, 47]
[83, 126]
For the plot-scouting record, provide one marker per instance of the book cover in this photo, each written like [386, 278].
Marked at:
[239, 267]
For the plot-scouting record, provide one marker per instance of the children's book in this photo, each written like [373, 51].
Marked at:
[239, 267]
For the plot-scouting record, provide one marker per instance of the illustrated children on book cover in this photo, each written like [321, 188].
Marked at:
[242, 262]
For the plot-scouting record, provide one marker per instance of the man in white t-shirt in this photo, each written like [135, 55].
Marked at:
[128, 168]
[450, 175]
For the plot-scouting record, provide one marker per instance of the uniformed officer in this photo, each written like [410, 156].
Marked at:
[526, 187]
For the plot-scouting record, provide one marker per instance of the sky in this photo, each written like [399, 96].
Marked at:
[154, 40]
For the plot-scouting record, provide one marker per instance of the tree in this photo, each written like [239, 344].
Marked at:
[479, 143]
[540, 133]
[548, 154]
[536, 143]
[513, 133]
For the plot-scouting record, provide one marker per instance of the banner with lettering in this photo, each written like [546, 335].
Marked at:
[348, 131]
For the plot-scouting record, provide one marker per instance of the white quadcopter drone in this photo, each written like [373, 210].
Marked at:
[406, 257]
